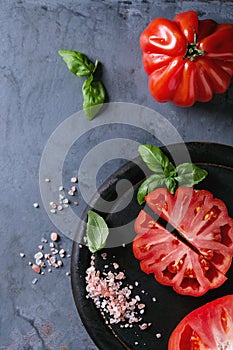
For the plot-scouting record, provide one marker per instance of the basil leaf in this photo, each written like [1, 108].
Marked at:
[149, 185]
[78, 63]
[93, 97]
[155, 159]
[188, 174]
[97, 232]
[170, 184]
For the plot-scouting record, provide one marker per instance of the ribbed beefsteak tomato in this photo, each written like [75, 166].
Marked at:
[195, 257]
[210, 327]
[187, 59]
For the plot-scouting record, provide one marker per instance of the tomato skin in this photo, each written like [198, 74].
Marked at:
[190, 18]
[187, 85]
[219, 45]
[196, 257]
[175, 74]
[164, 36]
[210, 327]
[164, 81]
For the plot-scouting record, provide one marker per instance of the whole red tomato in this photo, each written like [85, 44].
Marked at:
[187, 59]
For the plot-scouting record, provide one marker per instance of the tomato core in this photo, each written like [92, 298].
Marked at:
[192, 51]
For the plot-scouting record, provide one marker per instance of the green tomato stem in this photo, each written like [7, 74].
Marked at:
[192, 51]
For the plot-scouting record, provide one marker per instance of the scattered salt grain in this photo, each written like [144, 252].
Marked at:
[104, 256]
[62, 253]
[36, 268]
[53, 205]
[143, 326]
[74, 179]
[54, 236]
[120, 276]
[22, 255]
[53, 260]
[38, 262]
[115, 265]
[47, 179]
[34, 281]
[36, 205]
[38, 255]
[158, 335]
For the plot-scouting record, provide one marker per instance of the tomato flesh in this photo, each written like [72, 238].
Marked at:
[210, 327]
[195, 258]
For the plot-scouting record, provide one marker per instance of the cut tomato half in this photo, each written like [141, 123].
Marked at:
[210, 327]
[198, 256]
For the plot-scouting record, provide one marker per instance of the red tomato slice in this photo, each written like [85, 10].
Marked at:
[198, 258]
[210, 327]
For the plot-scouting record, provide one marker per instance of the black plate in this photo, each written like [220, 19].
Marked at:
[170, 307]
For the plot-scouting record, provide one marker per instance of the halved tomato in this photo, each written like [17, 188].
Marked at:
[197, 258]
[210, 327]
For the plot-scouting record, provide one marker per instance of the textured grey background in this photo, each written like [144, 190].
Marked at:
[36, 94]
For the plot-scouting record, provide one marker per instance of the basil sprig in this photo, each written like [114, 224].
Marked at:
[97, 231]
[166, 174]
[93, 90]
[93, 97]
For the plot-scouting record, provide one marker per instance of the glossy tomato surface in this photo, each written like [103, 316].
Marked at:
[187, 59]
[195, 255]
[210, 327]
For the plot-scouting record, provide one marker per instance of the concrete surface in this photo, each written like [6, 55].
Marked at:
[36, 94]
